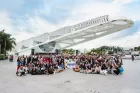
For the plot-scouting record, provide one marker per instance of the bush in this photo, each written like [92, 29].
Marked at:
[2, 56]
[89, 53]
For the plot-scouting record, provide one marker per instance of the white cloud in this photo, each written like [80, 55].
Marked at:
[5, 21]
[123, 1]
[35, 25]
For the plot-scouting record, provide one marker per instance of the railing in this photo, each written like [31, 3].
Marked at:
[91, 22]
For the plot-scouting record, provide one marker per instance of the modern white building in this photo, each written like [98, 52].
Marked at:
[72, 35]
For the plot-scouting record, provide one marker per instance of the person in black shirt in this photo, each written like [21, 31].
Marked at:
[62, 60]
[89, 69]
[28, 59]
[103, 67]
[116, 71]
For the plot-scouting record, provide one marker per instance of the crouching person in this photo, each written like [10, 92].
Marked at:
[43, 70]
[77, 69]
[56, 69]
[103, 70]
[26, 70]
[33, 71]
[21, 71]
[51, 70]
[38, 70]
[61, 68]
[88, 69]
[81, 67]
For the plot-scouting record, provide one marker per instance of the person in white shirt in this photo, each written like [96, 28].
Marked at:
[21, 71]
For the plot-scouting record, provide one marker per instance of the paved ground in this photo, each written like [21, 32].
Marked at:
[70, 82]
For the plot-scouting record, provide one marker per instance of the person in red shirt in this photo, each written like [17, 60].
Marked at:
[12, 58]
[42, 59]
[47, 60]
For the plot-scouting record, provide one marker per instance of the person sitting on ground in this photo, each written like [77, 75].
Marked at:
[25, 68]
[81, 68]
[85, 67]
[51, 70]
[115, 69]
[77, 69]
[93, 69]
[33, 72]
[109, 68]
[97, 69]
[21, 71]
[43, 69]
[89, 69]
[56, 68]
[103, 70]
[38, 70]
[62, 66]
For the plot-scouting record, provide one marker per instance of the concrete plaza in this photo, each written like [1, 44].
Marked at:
[70, 82]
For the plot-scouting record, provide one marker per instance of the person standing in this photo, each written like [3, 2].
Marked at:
[132, 57]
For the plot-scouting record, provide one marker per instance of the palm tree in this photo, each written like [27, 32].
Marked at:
[1, 40]
[7, 43]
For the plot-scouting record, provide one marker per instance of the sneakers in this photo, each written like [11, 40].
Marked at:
[105, 73]
[54, 73]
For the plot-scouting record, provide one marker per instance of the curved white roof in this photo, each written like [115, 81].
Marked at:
[79, 33]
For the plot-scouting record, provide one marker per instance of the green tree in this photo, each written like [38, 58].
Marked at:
[64, 51]
[104, 49]
[71, 51]
[7, 42]
[138, 49]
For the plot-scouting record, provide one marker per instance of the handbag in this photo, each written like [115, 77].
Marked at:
[121, 69]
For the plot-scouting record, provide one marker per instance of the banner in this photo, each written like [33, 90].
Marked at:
[71, 64]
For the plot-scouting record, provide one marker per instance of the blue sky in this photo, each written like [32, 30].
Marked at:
[33, 17]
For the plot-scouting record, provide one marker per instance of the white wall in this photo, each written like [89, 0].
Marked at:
[28, 52]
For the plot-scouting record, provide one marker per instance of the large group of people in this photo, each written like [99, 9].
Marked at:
[38, 65]
[99, 64]
[52, 64]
